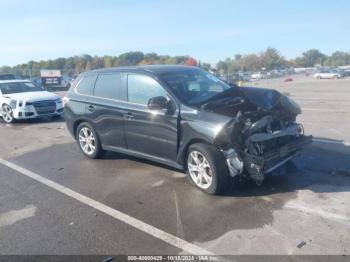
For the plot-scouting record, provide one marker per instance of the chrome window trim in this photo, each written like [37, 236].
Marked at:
[124, 101]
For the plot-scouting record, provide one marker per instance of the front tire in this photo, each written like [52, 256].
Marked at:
[7, 114]
[206, 168]
[88, 141]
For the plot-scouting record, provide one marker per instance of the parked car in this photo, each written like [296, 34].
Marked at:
[244, 77]
[186, 118]
[346, 72]
[21, 99]
[342, 72]
[327, 74]
[258, 76]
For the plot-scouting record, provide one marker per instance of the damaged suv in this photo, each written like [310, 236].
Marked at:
[186, 118]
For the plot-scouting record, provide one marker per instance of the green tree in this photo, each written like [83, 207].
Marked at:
[338, 58]
[97, 62]
[222, 67]
[206, 66]
[130, 58]
[310, 58]
[69, 67]
[271, 59]
[108, 61]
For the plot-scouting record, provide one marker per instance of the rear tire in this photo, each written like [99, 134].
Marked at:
[209, 173]
[88, 141]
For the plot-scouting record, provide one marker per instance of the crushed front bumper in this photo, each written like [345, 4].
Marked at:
[257, 166]
[276, 158]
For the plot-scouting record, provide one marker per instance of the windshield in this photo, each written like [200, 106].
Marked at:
[194, 86]
[18, 87]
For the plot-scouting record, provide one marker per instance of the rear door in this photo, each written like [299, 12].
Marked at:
[105, 108]
[81, 90]
[153, 132]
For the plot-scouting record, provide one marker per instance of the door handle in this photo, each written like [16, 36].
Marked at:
[91, 108]
[128, 116]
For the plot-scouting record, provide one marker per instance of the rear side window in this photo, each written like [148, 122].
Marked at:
[111, 86]
[86, 85]
[141, 88]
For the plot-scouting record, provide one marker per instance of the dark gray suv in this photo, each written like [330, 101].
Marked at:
[186, 118]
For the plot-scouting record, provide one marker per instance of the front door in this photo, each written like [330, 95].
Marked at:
[152, 132]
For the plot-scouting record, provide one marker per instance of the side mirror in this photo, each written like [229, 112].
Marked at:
[158, 103]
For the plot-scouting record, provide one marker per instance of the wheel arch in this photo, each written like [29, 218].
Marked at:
[77, 123]
[184, 151]
[4, 102]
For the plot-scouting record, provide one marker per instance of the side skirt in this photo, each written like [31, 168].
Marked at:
[144, 156]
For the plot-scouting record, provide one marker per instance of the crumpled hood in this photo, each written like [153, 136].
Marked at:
[32, 96]
[264, 98]
[244, 99]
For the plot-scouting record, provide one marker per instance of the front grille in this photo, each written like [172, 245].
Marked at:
[45, 107]
[289, 148]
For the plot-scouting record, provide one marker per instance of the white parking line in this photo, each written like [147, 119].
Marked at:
[326, 141]
[142, 226]
[342, 111]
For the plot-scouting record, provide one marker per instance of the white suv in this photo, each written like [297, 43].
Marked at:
[21, 99]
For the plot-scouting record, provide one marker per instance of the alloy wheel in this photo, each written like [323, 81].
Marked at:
[199, 169]
[87, 141]
[7, 114]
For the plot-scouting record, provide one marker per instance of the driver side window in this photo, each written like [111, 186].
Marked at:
[141, 88]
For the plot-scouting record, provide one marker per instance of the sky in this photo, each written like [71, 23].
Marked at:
[207, 30]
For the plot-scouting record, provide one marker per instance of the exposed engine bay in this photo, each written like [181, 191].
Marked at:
[270, 142]
[260, 138]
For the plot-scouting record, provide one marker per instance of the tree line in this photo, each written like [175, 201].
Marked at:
[271, 58]
[268, 59]
[77, 64]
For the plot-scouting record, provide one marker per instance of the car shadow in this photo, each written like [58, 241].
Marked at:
[33, 121]
[325, 162]
[117, 156]
[128, 184]
[324, 166]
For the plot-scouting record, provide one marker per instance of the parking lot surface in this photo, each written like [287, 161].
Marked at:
[305, 210]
